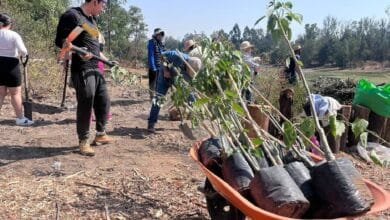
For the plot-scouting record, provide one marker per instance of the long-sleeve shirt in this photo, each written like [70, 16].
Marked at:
[11, 44]
[175, 59]
[154, 54]
[250, 61]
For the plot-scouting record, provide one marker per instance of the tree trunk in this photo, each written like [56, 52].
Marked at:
[345, 114]
[361, 112]
[376, 124]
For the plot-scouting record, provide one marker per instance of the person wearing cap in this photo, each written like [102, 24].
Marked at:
[291, 72]
[172, 66]
[90, 85]
[155, 49]
[192, 49]
[253, 62]
[11, 47]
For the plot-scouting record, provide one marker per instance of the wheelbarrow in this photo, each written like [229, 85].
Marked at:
[234, 198]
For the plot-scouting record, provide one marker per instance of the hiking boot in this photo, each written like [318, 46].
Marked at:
[86, 149]
[151, 128]
[102, 139]
[24, 122]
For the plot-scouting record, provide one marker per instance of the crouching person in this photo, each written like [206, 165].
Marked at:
[166, 76]
[91, 88]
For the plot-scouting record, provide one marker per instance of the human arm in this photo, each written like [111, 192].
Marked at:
[22, 50]
[68, 22]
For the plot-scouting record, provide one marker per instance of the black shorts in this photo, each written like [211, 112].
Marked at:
[10, 75]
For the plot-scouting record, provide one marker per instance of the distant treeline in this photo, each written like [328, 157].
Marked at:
[336, 43]
[341, 44]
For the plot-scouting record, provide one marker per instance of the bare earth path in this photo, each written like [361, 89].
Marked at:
[140, 176]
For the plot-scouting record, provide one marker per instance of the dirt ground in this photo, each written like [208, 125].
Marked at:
[139, 176]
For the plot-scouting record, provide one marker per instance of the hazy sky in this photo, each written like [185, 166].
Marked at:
[178, 17]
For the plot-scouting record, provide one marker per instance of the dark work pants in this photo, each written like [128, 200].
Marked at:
[162, 86]
[152, 79]
[92, 94]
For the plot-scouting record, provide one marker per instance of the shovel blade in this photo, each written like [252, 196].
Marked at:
[187, 131]
[28, 110]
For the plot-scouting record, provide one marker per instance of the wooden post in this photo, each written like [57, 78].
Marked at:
[345, 115]
[376, 124]
[260, 117]
[361, 112]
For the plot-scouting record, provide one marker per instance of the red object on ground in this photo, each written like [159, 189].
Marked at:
[381, 196]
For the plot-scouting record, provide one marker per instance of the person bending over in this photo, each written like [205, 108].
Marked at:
[166, 77]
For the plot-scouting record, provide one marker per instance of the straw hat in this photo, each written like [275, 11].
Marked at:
[188, 44]
[297, 47]
[246, 45]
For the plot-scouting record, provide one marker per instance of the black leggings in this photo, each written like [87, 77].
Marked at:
[91, 91]
[10, 75]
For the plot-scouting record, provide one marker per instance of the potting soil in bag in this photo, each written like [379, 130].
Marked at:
[301, 175]
[341, 187]
[274, 190]
[210, 152]
[237, 172]
[376, 98]
[262, 162]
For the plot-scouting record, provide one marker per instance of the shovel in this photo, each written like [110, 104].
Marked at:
[27, 104]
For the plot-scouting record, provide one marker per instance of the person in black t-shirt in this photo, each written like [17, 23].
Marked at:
[90, 85]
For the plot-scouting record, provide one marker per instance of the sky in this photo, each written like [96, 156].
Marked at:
[178, 17]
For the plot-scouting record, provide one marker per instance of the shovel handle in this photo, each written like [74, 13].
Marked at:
[84, 52]
[24, 60]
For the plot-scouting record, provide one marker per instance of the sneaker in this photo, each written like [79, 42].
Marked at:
[86, 149]
[24, 122]
[102, 139]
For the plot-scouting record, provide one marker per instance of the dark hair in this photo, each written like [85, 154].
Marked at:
[5, 20]
[87, 1]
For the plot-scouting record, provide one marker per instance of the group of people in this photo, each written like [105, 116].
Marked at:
[78, 27]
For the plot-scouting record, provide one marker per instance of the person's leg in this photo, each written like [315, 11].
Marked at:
[85, 85]
[16, 101]
[3, 93]
[152, 82]
[102, 108]
[162, 86]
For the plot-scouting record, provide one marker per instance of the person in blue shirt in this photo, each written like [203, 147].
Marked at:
[155, 48]
[173, 64]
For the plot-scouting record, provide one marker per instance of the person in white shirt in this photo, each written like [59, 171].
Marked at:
[253, 62]
[11, 48]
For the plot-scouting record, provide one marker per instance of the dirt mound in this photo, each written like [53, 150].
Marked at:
[341, 89]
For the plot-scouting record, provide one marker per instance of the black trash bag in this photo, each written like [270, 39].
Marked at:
[210, 152]
[274, 190]
[301, 175]
[342, 189]
[262, 162]
[237, 173]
